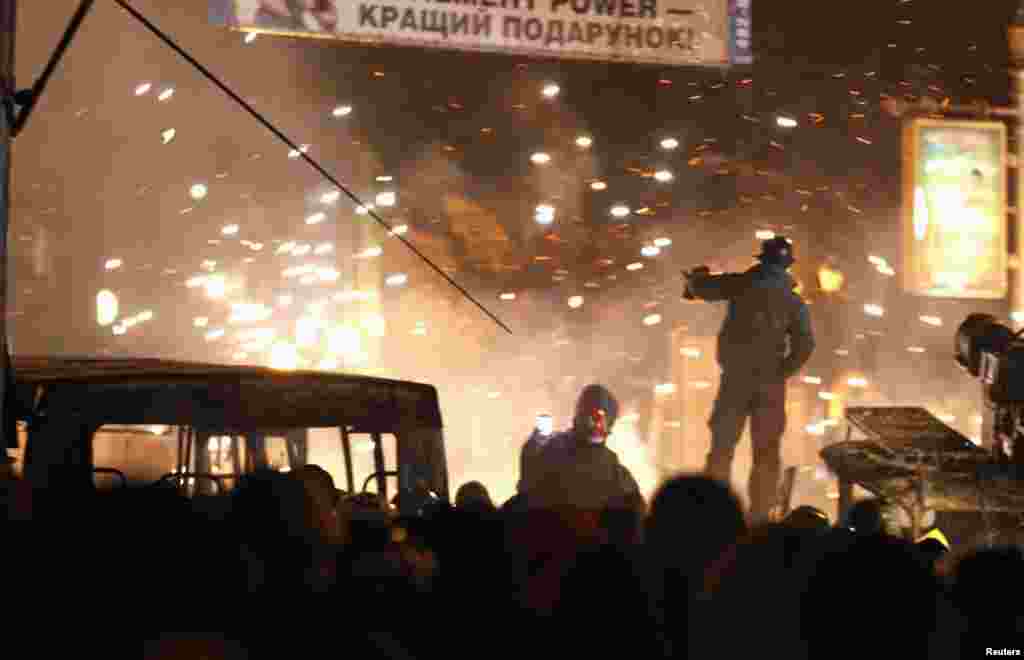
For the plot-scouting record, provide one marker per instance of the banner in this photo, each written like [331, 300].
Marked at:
[669, 32]
[954, 209]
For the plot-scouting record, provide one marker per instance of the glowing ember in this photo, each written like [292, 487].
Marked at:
[106, 308]
[545, 214]
[216, 286]
[874, 310]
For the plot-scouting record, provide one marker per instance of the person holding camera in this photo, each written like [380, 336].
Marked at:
[766, 338]
[575, 469]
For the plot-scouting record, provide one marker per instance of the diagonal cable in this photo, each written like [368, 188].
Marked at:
[160, 34]
[51, 66]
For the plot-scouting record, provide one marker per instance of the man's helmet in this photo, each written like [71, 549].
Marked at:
[596, 411]
[778, 250]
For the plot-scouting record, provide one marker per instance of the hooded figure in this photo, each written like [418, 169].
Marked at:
[766, 339]
[575, 470]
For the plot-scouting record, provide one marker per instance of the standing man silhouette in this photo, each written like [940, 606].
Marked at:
[766, 339]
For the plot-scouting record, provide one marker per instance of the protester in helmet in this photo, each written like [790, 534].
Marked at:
[765, 340]
[576, 470]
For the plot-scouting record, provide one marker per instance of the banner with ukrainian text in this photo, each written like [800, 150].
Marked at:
[954, 209]
[669, 32]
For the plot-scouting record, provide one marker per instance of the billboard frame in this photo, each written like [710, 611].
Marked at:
[911, 138]
[736, 55]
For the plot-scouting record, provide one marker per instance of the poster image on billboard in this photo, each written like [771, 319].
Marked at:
[954, 209]
[707, 33]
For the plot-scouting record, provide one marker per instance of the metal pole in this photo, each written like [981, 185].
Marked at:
[8, 24]
[1016, 274]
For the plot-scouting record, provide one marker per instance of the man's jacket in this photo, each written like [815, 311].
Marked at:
[767, 330]
[578, 476]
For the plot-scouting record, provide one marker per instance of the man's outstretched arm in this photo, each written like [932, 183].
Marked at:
[705, 286]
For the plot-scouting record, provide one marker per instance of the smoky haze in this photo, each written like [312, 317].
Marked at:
[96, 179]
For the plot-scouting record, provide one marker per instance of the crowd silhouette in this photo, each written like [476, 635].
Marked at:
[286, 564]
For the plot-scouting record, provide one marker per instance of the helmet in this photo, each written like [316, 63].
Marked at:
[596, 411]
[777, 250]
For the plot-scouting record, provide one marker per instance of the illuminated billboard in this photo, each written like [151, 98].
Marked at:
[667, 32]
[954, 209]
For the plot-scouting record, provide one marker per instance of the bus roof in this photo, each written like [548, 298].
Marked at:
[223, 397]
